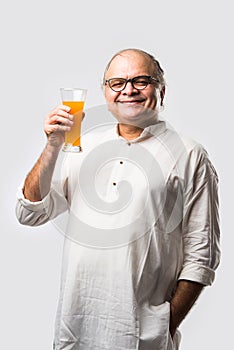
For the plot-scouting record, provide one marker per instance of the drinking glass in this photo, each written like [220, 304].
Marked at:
[75, 99]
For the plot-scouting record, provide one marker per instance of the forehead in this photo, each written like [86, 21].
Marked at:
[130, 64]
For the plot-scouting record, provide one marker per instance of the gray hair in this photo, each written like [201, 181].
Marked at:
[158, 72]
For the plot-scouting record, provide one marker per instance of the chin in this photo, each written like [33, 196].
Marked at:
[136, 115]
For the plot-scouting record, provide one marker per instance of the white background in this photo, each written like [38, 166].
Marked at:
[49, 44]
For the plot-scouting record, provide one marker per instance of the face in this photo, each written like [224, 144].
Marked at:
[131, 105]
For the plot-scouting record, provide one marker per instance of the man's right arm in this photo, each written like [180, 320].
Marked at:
[38, 181]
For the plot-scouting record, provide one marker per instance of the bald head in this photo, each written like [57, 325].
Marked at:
[149, 60]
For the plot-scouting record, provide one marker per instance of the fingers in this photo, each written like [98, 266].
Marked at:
[61, 115]
[58, 120]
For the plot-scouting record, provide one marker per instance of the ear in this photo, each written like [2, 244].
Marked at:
[102, 87]
[162, 94]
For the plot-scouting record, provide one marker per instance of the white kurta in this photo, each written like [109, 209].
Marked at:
[142, 215]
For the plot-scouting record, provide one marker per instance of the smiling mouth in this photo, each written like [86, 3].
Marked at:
[132, 102]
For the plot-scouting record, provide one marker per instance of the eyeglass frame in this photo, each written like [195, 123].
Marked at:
[131, 80]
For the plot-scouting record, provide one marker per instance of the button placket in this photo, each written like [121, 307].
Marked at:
[117, 174]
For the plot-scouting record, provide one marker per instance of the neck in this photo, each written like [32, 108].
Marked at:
[129, 132]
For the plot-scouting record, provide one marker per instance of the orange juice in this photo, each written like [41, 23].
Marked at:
[72, 137]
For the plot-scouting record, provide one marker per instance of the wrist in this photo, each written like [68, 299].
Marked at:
[55, 140]
[53, 147]
[173, 324]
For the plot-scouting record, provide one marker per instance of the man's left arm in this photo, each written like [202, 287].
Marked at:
[200, 232]
[184, 298]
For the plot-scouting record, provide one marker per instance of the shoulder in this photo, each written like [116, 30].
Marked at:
[189, 145]
[189, 153]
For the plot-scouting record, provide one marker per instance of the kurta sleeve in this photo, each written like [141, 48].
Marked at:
[200, 226]
[38, 213]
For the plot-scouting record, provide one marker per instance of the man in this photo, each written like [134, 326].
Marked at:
[142, 238]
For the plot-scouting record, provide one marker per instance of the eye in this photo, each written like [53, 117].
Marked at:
[116, 83]
[141, 81]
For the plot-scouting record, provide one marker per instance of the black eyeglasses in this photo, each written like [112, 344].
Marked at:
[139, 83]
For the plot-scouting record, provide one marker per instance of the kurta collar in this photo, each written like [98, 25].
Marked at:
[150, 131]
